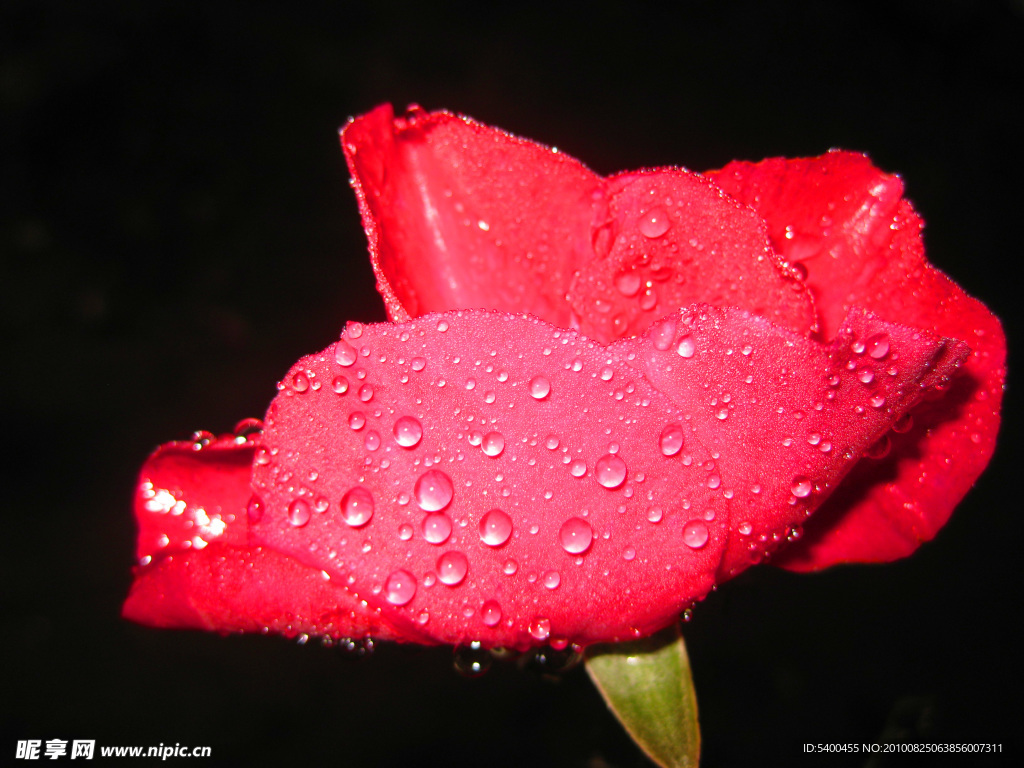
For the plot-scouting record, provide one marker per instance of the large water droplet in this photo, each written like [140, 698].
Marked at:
[437, 527]
[671, 440]
[366, 393]
[878, 346]
[540, 628]
[575, 535]
[552, 579]
[493, 443]
[490, 613]
[400, 587]
[344, 353]
[452, 568]
[540, 387]
[801, 487]
[298, 513]
[610, 471]
[663, 333]
[745, 529]
[372, 441]
[551, 442]
[408, 431]
[340, 385]
[686, 347]
[433, 490]
[655, 223]
[628, 283]
[356, 420]
[695, 534]
[418, 364]
[654, 514]
[300, 382]
[495, 528]
[357, 506]
[578, 468]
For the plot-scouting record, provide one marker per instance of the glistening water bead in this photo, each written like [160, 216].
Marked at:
[495, 528]
[433, 490]
[408, 431]
[357, 506]
[575, 536]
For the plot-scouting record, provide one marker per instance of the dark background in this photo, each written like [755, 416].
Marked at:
[176, 228]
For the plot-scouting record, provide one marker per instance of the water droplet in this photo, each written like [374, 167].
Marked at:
[880, 449]
[366, 393]
[357, 506]
[866, 375]
[578, 468]
[695, 534]
[418, 364]
[714, 481]
[628, 554]
[540, 387]
[470, 384]
[575, 535]
[628, 283]
[437, 527]
[654, 223]
[610, 471]
[356, 420]
[344, 353]
[510, 567]
[654, 514]
[495, 528]
[540, 628]
[490, 613]
[858, 347]
[340, 385]
[552, 579]
[372, 441]
[254, 510]
[452, 568]
[686, 347]
[663, 332]
[442, 325]
[745, 529]
[877, 401]
[408, 431]
[878, 346]
[354, 330]
[298, 513]
[801, 487]
[671, 440]
[300, 382]
[405, 531]
[433, 490]
[903, 424]
[400, 587]
[551, 442]
[493, 444]
[473, 660]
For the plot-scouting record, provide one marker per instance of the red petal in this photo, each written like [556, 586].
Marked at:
[418, 431]
[671, 239]
[860, 244]
[462, 215]
[197, 570]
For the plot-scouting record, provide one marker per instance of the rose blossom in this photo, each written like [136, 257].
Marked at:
[637, 387]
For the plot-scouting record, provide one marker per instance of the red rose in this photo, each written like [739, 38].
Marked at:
[640, 386]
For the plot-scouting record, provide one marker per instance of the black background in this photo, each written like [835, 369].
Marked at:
[176, 229]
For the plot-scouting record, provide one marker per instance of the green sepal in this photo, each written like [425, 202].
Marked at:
[648, 686]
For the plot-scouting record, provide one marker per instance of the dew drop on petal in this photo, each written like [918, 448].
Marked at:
[628, 283]
[408, 431]
[490, 613]
[298, 513]
[452, 568]
[437, 527]
[663, 333]
[495, 528]
[575, 535]
[510, 567]
[695, 534]
[878, 346]
[745, 529]
[578, 468]
[340, 385]
[366, 393]
[300, 382]
[801, 487]
[254, 511]
[551, 442]
[400, 587]
[671, 440]
[405, 532]
[493, 444]
[552, 579]
[654, 223]
[610, 471]
[418, 364]
[686, 347]
[540, 387]
[371, 441]
[344, 353]
[654, 514]
[628, 554]
[540, 628]
[356, 420]
[357, 506]
[433, 490]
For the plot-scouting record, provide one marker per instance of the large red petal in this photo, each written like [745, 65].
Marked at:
[672, 238]
[627, 478]
[860, 244]
[461, 215]
[196, 568]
